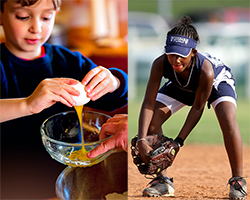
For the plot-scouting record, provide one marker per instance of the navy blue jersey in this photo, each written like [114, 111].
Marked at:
[185, 91]
[221, 73]
[19, 77]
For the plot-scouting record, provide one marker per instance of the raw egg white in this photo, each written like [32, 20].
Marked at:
[82, 98]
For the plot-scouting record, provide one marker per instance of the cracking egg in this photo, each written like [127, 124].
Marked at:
[82, 98]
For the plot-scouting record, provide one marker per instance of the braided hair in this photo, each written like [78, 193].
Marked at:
[184, 27]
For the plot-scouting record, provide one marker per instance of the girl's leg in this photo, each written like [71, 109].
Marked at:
[161, 114]
[226, 114]
[165, 106]
[160, 186]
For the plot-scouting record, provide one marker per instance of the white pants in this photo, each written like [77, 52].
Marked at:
[175, 105]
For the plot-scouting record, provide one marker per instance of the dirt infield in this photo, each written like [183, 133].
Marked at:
[199, 172]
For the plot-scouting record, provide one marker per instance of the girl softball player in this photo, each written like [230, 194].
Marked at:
[194, 79]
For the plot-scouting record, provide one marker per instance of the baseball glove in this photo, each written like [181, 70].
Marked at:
[160, 158]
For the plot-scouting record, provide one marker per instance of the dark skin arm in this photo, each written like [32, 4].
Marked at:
[202, 94]
[195, 113]
[148, 104]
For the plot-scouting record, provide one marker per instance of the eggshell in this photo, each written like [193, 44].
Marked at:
[82, 98]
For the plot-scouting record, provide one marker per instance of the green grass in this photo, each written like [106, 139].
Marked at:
[206, 131]
[181, 7]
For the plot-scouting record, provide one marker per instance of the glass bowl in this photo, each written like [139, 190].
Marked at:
[62, 139]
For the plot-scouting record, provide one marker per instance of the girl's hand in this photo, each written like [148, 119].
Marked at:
[144, 150]
[50, 91]
[100, 81]
[116, 126]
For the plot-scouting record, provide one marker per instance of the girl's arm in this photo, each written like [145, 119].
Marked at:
[48, 92]
[147, 108]
[148, 104]
[202, 94]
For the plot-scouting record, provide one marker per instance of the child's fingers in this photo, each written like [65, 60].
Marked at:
[101, 89]
[54, 90]
[63, 95]
[63, 84]
[50, 91]
[57, 98]
[68, 81]
[71, 90]
[92, 73]
[100, 81]
[44, 99]
[99, 78]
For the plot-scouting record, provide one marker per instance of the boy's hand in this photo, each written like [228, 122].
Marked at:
[100, 81]
[50, 91]
[116, 126]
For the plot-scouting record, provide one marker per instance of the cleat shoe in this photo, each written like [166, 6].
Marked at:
[160, 186]
[238, 188]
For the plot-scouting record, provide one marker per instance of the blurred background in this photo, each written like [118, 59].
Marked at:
[224, 30]
[96, 28]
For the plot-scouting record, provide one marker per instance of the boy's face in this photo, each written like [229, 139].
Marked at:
[27, 28]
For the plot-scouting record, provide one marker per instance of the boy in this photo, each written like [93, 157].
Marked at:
[28, 68]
